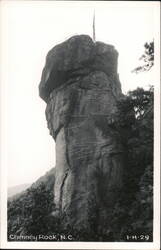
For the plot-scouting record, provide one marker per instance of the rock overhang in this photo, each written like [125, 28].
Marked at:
[77, 56]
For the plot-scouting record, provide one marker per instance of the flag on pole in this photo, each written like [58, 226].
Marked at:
[94, 34]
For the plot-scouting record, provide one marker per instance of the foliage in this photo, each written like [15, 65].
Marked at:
[39, 210]
[30, 212]
[134, 210]
[147, 58]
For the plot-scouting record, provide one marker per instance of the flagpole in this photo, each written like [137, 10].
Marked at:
[94, 32]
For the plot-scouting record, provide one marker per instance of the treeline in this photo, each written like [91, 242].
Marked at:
[133, 214]
[29, 212]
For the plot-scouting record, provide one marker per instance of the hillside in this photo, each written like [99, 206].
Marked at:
[21, 206]
[17, 189]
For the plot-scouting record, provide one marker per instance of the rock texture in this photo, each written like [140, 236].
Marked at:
[81, 87]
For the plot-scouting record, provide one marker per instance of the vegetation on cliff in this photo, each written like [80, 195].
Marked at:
[29, 212]
[147, 58]
[134, 210]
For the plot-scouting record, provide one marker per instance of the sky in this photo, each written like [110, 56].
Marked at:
[29, 30]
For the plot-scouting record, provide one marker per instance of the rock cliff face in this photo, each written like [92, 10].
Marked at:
[81, 87]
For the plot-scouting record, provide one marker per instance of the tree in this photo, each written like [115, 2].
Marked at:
[134, 210]
[40, 209]
[147, 58]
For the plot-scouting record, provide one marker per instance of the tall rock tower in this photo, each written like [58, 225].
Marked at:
[81, 87]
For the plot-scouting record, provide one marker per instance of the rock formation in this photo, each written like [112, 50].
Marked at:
[81, 87]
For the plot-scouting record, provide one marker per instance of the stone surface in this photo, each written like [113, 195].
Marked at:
[76, 57]
[81, 87]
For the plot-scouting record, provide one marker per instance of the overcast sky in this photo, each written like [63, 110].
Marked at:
[29, 30]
